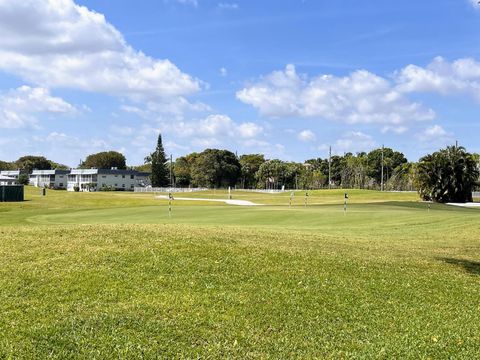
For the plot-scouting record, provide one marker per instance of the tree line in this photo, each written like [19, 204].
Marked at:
[447, 175]
[222, 168]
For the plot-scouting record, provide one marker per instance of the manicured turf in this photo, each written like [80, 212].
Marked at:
[111, 275]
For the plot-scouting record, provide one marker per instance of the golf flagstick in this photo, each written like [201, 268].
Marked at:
[345, 204]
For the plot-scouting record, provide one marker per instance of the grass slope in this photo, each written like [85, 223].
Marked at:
[112, 276]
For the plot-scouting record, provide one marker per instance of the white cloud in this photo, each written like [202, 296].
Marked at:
[474, 3]
[224, 126]
[228, 6]
[223, 71]
[155, 110]
[57, 43]
[395, 129]
[361, 97]
[434, 131]
[65, 148]
[461, 76]
[306, 136]
[353, 141]
[20, 107]
[435, 134]
[249, 130]
[433, 137]
[214, 130]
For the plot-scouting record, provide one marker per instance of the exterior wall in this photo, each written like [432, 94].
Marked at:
[95, 180]
[117, 181]
[5, 181]
[49, 178]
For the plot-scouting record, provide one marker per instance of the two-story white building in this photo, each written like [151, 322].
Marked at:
[53, 179]
[106, 179]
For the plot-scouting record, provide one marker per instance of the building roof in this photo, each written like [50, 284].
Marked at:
[7, 178]
[107, 172]
[10, 172]
[50, 172]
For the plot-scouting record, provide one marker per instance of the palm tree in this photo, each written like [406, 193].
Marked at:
[448, 175]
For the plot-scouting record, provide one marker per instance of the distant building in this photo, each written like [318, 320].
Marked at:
[106, 179]
[8, 180]
[53, 179]
[10, 173]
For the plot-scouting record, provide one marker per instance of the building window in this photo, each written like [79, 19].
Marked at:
[61, 184]
[132, 177]
[123, 176]
[123, 185]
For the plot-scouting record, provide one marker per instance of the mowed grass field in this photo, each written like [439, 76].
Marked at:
[112, 276]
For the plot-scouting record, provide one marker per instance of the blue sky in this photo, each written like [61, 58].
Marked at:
[285, 78]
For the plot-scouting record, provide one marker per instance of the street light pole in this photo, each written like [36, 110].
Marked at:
[381, 186]
[329, 168]
[171, 178]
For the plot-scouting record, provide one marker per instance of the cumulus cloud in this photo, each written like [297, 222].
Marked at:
[461, 76]
[361, 97]
[65, 148]
[435, 135]
[306, 135]
[352, 141]
[57, 43]
[20, 107]
[217, 127]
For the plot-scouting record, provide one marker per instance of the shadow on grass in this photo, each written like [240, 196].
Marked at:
[472, 267]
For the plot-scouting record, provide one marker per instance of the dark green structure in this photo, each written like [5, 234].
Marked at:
[11, 193]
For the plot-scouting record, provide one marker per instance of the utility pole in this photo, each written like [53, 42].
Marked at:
[171, 177]
[329, 168]
[381, 186]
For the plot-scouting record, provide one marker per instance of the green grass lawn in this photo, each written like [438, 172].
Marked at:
[111, 275]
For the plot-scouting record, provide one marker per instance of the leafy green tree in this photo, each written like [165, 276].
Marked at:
[5, 165]
[274, 174]
[160, 172]
[58, 166]
[250, 163]
[29, 162]
[144, 168]
[23, 179]
[354, 171]
[311, 179]
[448, 175]
[403, 178]
[391, 160]
[183, 169]
[337, 164]
[215, 168]
[105, 160]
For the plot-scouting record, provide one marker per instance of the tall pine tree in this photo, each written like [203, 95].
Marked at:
[160, 172]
